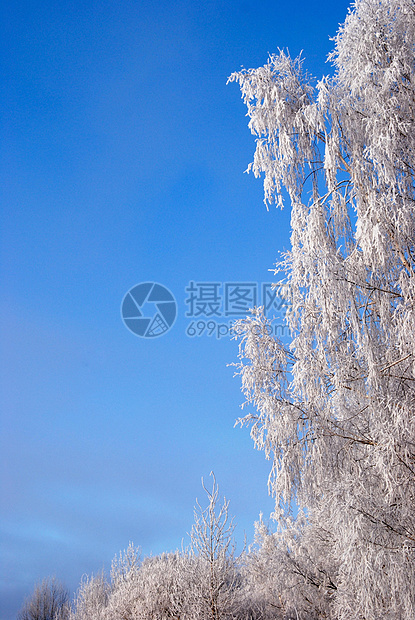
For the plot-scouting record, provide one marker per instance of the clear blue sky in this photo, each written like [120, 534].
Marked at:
[122, 160]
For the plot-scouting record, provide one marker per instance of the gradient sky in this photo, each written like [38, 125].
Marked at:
[123, 153]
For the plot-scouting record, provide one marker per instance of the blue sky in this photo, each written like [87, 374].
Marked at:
[123, 153]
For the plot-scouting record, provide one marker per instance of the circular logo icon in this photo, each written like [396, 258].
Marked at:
[149, 310]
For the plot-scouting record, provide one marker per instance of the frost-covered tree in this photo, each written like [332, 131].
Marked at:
[202, 582]
[124, 596]
[49, 601]
[286, 574]
[91, 598]
[336, 408]
[217, 588]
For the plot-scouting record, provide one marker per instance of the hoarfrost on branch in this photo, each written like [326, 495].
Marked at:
[336, 409]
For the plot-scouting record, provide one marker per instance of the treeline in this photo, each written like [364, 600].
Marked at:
[206, 581]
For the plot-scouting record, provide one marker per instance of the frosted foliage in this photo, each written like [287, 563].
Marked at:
[286, 584]
[203, 582]
[217, 582]
[158, 587]
[91, 598]
[336, 408]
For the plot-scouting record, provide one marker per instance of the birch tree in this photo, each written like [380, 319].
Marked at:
[216, 595]
[335, 410]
